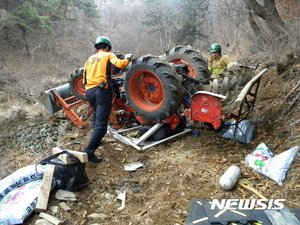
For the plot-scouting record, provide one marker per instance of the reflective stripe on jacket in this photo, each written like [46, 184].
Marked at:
[219, 65]
[97, 68]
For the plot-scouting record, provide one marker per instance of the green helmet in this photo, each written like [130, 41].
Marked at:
[215, 48]
[103, 40]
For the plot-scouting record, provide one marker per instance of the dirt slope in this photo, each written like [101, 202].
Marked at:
[190, 166]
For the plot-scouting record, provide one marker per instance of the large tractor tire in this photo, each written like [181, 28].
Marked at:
[76, 84]
[197, 65]
[153, 88]
[229, 82]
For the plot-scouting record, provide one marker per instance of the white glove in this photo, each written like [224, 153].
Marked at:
[128, 56]
[233, 65]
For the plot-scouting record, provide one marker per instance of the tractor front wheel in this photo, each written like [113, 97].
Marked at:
[76, 84]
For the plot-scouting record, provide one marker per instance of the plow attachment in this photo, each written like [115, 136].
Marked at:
[61, 98]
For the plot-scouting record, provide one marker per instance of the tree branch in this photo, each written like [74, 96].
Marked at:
[258, 9]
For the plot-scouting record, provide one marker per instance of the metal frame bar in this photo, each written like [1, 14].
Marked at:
[141, 143]
[67, 108]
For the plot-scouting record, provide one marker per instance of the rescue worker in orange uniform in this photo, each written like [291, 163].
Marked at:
[217, 63]
[98, 85]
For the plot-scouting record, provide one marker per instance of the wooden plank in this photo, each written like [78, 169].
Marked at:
[42, 222]
[54, 209]
[45, 189]
[50, 218]
[65, 159]
[82, 156]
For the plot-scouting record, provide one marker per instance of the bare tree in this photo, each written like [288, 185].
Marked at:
[228, 25]
[193, 25]
[268, 12]
[139, 26]
[161, 21]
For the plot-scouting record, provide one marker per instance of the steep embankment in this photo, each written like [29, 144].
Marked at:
[173, 172]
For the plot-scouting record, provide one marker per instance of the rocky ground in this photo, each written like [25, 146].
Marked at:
[174, 172]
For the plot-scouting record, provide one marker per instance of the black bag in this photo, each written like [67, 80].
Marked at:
[70, 176]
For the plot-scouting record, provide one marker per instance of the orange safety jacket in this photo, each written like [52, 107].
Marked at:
[218, 65]
[97, 68]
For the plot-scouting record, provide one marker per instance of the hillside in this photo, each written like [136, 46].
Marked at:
[174, 172]
[43, 42]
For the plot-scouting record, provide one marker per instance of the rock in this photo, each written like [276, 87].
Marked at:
[107, 196]
[54, 209]
[28, 130]
[64, 206]
[65, 195]
[148, 221]
[49, 140]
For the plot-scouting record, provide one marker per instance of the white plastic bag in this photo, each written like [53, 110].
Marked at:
[276, 167]
[259, 158]
[21, 177]
[18, 204]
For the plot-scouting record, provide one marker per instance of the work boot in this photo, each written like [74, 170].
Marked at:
[94, 159]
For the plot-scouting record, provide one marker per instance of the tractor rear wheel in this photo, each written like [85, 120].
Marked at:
[153, 88]
[76, 84]
[197, 65]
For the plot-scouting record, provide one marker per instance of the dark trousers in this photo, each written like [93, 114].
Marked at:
[101, 102]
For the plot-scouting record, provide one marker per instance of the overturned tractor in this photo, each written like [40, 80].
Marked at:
[156, 95]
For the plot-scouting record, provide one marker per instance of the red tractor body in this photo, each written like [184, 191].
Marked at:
[165, 90]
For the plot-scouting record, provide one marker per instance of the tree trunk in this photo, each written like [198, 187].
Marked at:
[269, 14]
[25, 42]
[252, 22]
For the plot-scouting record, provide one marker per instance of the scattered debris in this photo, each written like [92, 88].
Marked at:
[21, 177]
[247, 186]
[121, 196]
[43, 197]
[200, 212]
[284, 216]
[72, 135]
[23, 199]
[64, 206]
[82, 156]
[84, 215]
[65, 195]
[54, 209]
[42, 222]
[133, 166]
[50, 218]
[230, 177]
[107, 195]
[276, 167]
[241, 131]
[97, 216]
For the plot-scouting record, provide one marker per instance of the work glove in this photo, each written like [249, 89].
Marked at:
[233, 65]
[128, 56]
